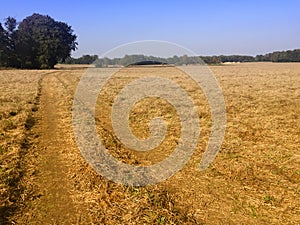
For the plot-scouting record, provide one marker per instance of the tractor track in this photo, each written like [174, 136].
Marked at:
[45, 179]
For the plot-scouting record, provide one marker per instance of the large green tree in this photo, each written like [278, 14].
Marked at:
[41, 42]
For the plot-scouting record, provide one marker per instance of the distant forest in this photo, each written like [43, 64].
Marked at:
[278, 56]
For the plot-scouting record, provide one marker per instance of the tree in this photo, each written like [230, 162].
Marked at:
[7, 42]
[85, 59]
[3, 47]
[41, 42]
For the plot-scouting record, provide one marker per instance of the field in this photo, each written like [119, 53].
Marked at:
[255, 178]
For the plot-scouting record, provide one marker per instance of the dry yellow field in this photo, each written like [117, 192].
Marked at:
[255, 178]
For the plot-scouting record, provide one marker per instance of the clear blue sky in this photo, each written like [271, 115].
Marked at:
[206, 27]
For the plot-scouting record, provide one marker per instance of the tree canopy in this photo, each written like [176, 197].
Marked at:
[85, 59]
[38, 42]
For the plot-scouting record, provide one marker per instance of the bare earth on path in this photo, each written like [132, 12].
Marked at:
[54, 203]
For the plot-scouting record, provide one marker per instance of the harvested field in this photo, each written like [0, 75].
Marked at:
[255, 178]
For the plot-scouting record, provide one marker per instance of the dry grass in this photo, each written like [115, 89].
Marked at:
[19, 95]
[254, 179]
[104, 201]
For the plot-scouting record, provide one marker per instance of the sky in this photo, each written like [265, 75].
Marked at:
[206, 27]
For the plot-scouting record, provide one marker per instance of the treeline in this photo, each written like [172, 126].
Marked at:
[38, 42]
[175, 60]
[283, 56]
[85, 59]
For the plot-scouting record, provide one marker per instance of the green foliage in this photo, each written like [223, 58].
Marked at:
[283, 56]
[286, 56]
[85, 59]
[253, 211]
[10, 24]
[268, 199]
[175, 60]
[39, 42]
[3, 47]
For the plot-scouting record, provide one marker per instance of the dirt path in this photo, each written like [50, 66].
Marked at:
[53, 204]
